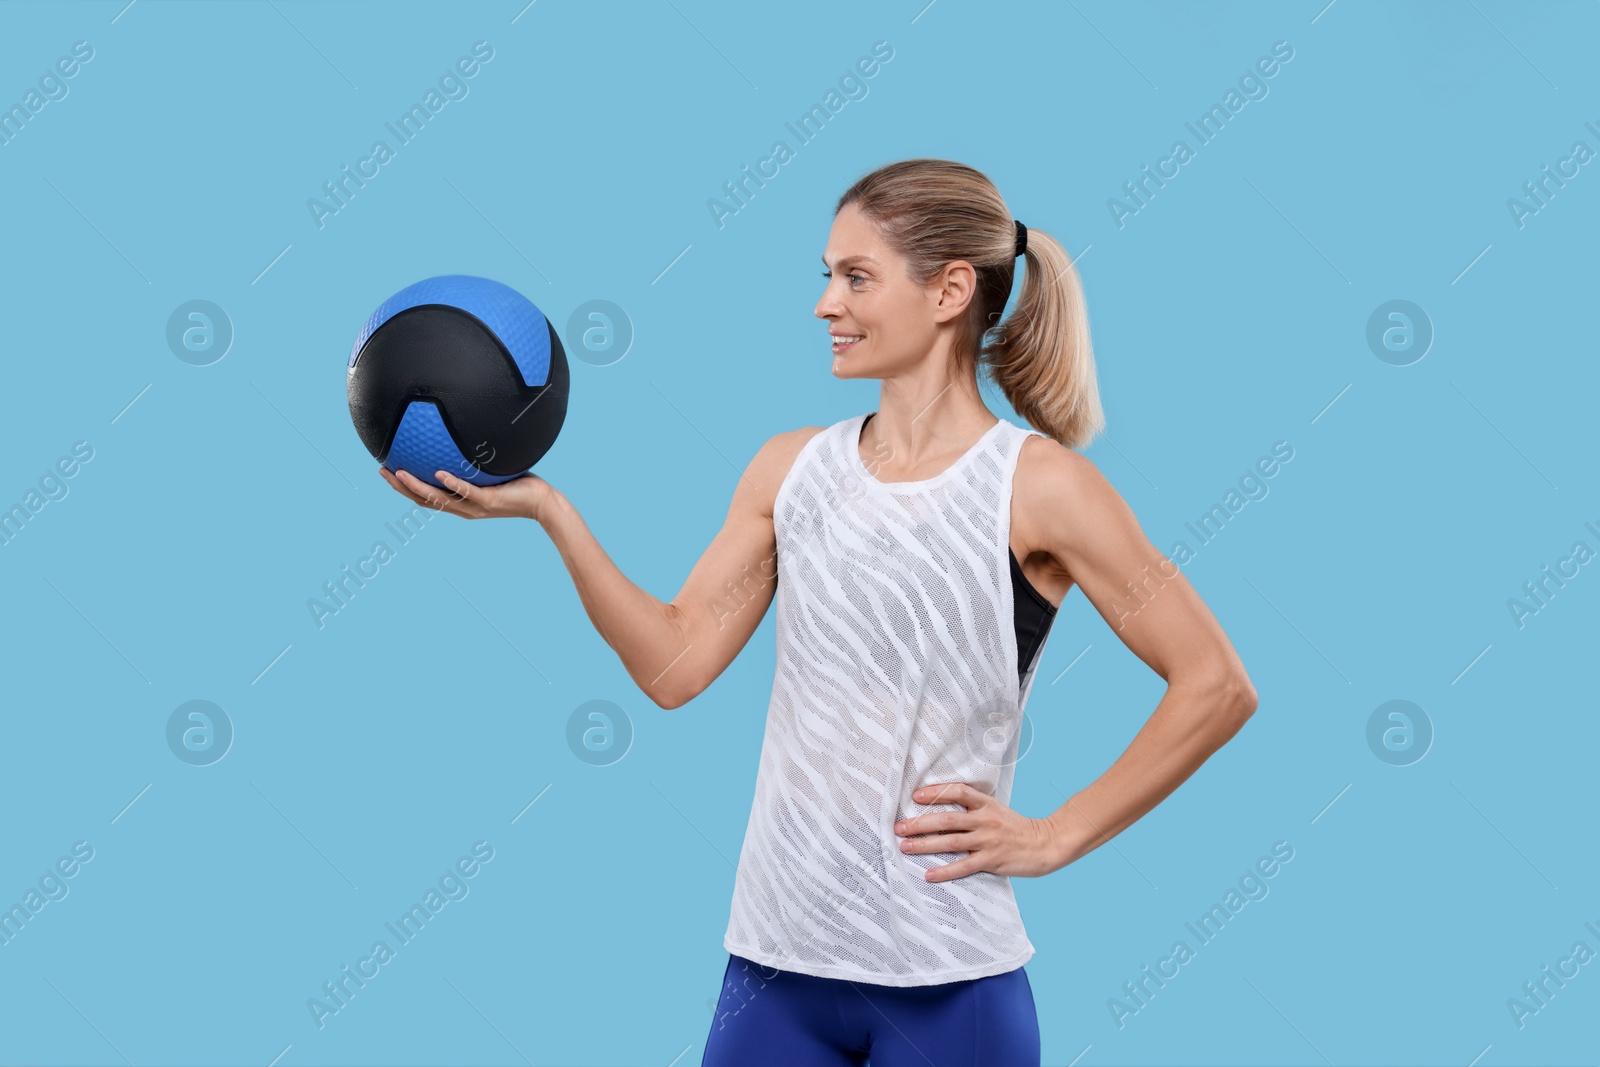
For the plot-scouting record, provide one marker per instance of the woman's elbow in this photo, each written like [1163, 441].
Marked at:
[1239, 695]
[668, 699]
[1227, 695]
[673, 691]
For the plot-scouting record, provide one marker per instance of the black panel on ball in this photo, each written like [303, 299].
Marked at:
[444, 354]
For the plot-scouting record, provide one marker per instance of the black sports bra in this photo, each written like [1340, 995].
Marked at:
[1034, 614]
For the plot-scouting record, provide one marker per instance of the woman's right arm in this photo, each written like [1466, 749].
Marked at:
[674, 650]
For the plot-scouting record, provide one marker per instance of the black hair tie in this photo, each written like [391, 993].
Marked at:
[1022, 238]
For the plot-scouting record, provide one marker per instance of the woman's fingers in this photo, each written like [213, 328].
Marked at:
[955, 841]
[486, 501]
[427, 495]
[460, 488]
[458, 496]
[397, 485]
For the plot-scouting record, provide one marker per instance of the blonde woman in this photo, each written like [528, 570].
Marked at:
[917, 555]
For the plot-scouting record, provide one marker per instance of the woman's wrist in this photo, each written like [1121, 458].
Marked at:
[1072, 835]
[545, 509]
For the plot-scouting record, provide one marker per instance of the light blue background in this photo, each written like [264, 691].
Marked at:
[1228, 314]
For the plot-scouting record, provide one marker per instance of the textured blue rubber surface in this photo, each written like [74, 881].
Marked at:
[422, 445]
[509, 315]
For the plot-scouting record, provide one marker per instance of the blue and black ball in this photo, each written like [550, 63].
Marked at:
[459, 374]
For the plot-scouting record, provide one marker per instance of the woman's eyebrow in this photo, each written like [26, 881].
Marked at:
[848, 261]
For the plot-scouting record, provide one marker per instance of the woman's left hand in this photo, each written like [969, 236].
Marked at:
[995, 838]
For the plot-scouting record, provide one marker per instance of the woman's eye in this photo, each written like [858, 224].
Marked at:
[853, 277]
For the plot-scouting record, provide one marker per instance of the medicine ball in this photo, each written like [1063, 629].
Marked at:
[459, 374]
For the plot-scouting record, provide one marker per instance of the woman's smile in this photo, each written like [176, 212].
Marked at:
[843, 342]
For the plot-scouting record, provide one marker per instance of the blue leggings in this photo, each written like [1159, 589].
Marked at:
[776, 1018]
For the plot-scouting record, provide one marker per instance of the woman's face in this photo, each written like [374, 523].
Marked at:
[869, 296]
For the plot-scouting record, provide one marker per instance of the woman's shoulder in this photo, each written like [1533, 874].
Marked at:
[1059, 495]
[780, 452]
[1047, 468]
[790, 443]
[776, 458]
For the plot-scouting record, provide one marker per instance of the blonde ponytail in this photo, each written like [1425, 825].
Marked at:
[934, 211]
[1040, 356]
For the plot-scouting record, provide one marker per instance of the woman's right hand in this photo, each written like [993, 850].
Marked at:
[525, 497]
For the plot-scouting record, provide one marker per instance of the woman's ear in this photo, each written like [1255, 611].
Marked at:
[952, 289]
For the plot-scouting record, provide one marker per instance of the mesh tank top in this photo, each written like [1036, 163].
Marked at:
[898, 666]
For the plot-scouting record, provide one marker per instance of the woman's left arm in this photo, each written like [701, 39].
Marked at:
[1092, 534]
[1072, 512]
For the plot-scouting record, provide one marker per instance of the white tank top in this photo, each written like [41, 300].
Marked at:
[897, 667]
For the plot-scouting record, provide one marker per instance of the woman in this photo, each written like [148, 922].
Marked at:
[921, 552]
